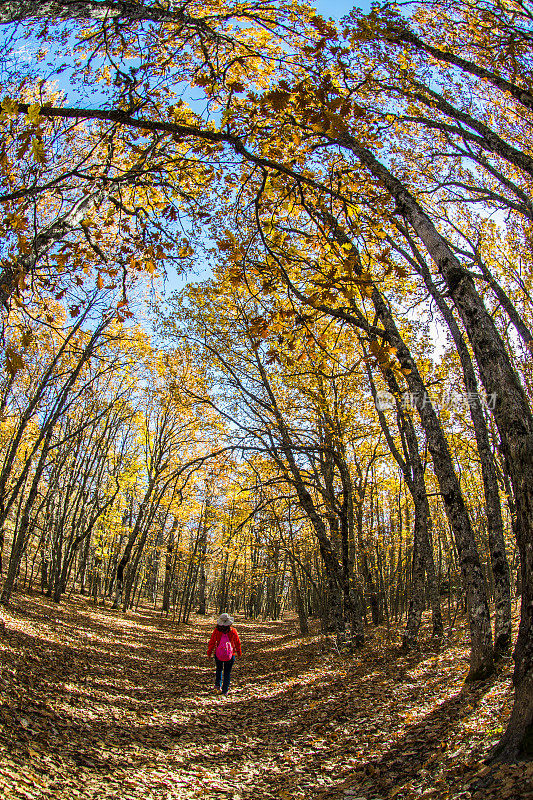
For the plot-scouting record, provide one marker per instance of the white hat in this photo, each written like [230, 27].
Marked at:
[225, 619]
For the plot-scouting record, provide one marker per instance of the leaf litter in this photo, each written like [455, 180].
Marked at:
[95, 704]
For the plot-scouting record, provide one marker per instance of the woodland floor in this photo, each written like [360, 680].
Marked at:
[97, 705]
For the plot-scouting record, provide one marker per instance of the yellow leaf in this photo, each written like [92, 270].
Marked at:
[33, 114]
[37, 150]
[14, 361]
[278, 99]
[26, 338]
[9, 107]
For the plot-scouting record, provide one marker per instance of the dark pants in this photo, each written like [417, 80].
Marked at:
[223, 666]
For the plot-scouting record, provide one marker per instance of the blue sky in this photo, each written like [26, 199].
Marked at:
[338, 8]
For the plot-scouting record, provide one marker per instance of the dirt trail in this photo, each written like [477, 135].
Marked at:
[97, 705]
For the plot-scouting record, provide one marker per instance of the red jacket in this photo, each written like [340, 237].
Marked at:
[233, 637]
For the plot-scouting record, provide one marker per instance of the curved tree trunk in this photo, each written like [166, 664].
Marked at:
[514, 419]
[482, 651]
[498, 556]
[413, 472]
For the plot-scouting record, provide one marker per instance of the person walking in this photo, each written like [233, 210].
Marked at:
[225, 645]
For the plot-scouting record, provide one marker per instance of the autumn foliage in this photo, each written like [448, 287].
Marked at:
[267, 325]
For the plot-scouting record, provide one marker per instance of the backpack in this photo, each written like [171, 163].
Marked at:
[224, 651]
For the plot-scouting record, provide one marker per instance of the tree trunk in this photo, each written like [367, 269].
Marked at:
[515, 423]
[422, 556]
[202, 579]
[169, 561]
[498, 556]
[300, 606]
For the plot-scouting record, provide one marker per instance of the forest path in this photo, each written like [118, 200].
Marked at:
[100, 705]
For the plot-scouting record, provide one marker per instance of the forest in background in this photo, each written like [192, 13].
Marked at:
[333, 415]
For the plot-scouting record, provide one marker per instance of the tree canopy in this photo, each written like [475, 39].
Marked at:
[265, 282]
